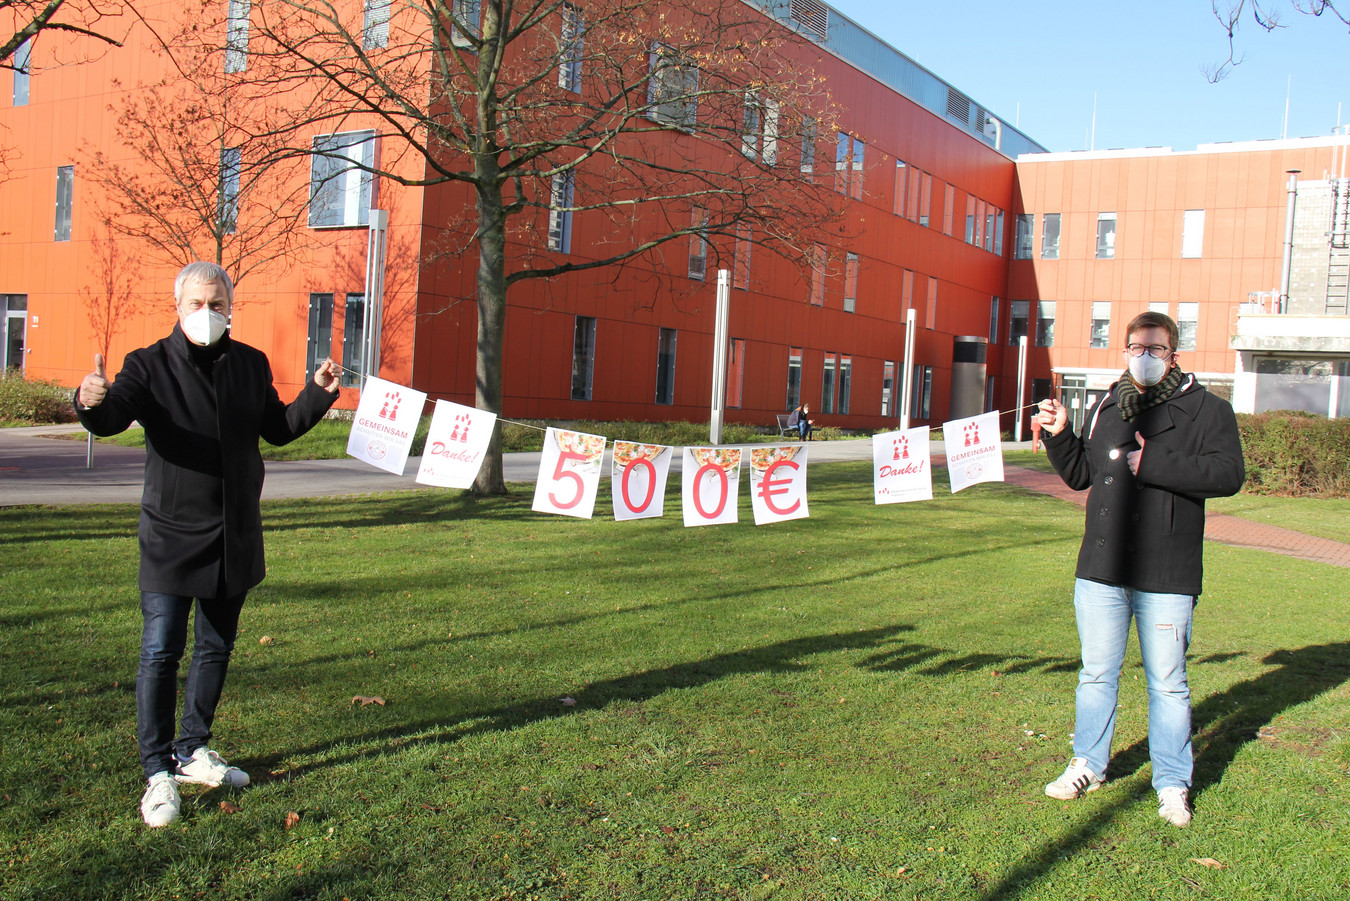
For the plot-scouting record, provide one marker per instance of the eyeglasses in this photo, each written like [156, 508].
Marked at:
[1158, 351]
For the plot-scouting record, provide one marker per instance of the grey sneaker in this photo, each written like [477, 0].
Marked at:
[1076, 781]
[160, 803]
[206, 768]
[1174, 806]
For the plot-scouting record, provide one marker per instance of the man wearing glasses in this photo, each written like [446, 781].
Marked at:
[1153, 448]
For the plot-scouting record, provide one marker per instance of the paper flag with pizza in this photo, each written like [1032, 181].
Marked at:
[711, 478]
[569, 473]
[778, 483]
[638, 477]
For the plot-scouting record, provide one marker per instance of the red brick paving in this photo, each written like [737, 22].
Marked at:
[1218, 526]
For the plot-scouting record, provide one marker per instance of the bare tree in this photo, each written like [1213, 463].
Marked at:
[1267, 16]
[102, 20]
[109, 296]
[669, 124]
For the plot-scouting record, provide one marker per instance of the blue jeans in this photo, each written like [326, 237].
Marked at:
[1163, 622]
[803, 429]
[163, 640]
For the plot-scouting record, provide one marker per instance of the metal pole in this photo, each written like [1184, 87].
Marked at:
[907, 373]
[89, 450]
[1288, 240]
[720, 342]
[374, 311]
[1021, 385]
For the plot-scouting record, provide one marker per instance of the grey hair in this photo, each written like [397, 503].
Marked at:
[202, 274]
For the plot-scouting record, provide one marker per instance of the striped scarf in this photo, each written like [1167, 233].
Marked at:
[1132, 403]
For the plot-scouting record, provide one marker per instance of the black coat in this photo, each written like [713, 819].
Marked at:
[200, 508]
[1147, 531]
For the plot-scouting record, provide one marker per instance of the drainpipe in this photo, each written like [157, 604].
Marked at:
[1292, 188]
[998, 131]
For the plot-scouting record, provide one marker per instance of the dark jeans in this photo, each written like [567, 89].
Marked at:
[803, 429]
[162, 643]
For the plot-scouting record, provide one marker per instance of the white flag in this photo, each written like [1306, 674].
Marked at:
[569, 473]
[385, 422]
[778, 483]
[456, 445]
[974, 450]
[901, 467]
[638, 475]
[711, 477]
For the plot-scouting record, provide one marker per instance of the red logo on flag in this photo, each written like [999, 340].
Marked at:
[461, 430]
[389, 409]
[901, 448]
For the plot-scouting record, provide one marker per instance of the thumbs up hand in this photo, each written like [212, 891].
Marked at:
[94, 387]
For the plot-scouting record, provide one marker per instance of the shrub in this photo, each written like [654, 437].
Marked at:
[33, 402]
[1290, 452]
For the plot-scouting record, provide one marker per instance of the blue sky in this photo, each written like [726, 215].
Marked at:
[1038, 64]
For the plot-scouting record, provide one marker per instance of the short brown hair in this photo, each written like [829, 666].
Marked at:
[1154, 320]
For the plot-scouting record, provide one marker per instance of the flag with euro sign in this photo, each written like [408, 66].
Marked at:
[456, 445]
[710, 480]
[778, 483]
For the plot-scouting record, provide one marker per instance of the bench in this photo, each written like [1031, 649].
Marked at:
[785, 430]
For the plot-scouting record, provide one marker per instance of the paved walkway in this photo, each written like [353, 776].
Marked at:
[36, 467]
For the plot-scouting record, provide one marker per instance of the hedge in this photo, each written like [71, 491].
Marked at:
[1294, 453]
[33, 401]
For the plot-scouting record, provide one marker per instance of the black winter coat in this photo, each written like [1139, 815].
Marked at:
[200, 508]
[1147, 531]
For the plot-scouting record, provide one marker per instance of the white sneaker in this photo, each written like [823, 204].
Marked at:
[1076, 781]
[1174, 806]
[206, 768]
[160, 803]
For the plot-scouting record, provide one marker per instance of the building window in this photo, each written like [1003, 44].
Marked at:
[818, 275]
[970, 219]
[1101, 324]
[850, 282]
[1106, 236]
[466, 24]
[236, 36]
[13, 331]
[887, 387]
[827, 384]
[993, 320]
[845, 382]
[848, 166]
[65, 201]
[901, 186]
[353, 339]
[320, 344]
[948, 209]
[1050, 236]
[750, 126]
[227, 211]
[991, 216]
[979, 223]
[698, 246]
[998, 234]
[672, 88]
[759, 124]
[769, 152]
[341, 185]
[808, 147]
[922, 392]
[740, 265]
[1045, 323]
[375, 29]
[1040, 389]
[925, 197]
[23, 68]
[1023, 226]
[665, 366]
[569, 55]
[1192, 234]
[1159, 306]
[735, 372]
[1188, 322]
[1018, 321]
[583, 357]
[914, 190]
[560, 212]
[794, 380]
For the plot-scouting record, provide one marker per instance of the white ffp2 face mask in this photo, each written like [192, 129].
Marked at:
[204, 327]
[1147, 370]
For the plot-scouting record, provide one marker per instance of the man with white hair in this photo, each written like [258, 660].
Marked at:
[204, 401]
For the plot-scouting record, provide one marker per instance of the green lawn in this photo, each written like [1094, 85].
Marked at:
[864, 704]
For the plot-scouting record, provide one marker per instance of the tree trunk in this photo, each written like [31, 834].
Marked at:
[491, 317]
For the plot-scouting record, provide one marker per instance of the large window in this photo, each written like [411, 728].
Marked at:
[993, 320]
[970, 219]
[808, 147]
[901, 186]
[353, 339]
[467, 24]
[925, 197]
[583, 357]
[920, 401]
[1106, 236]
[1018, 321]
[794, 379]
[672, 88]
[1101, 324]
[1188, 321]
[998, 234]
[827, 383]
[236, 35]
[948, 209]
[227, 213]
[698, 245]
[845, 382]
[1192, 234]
[65, 201]
[1045, 323]
[23, 67]
[1050, 236]
[1023, 227]
[570, 49]
[735, 371]
[375, 28]
[665, 366]
[13, 330]
[320, 344]
[560, 212]
[887, 387]
[848, 166]
[759, 128]
[341, 186]
[850, 283]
